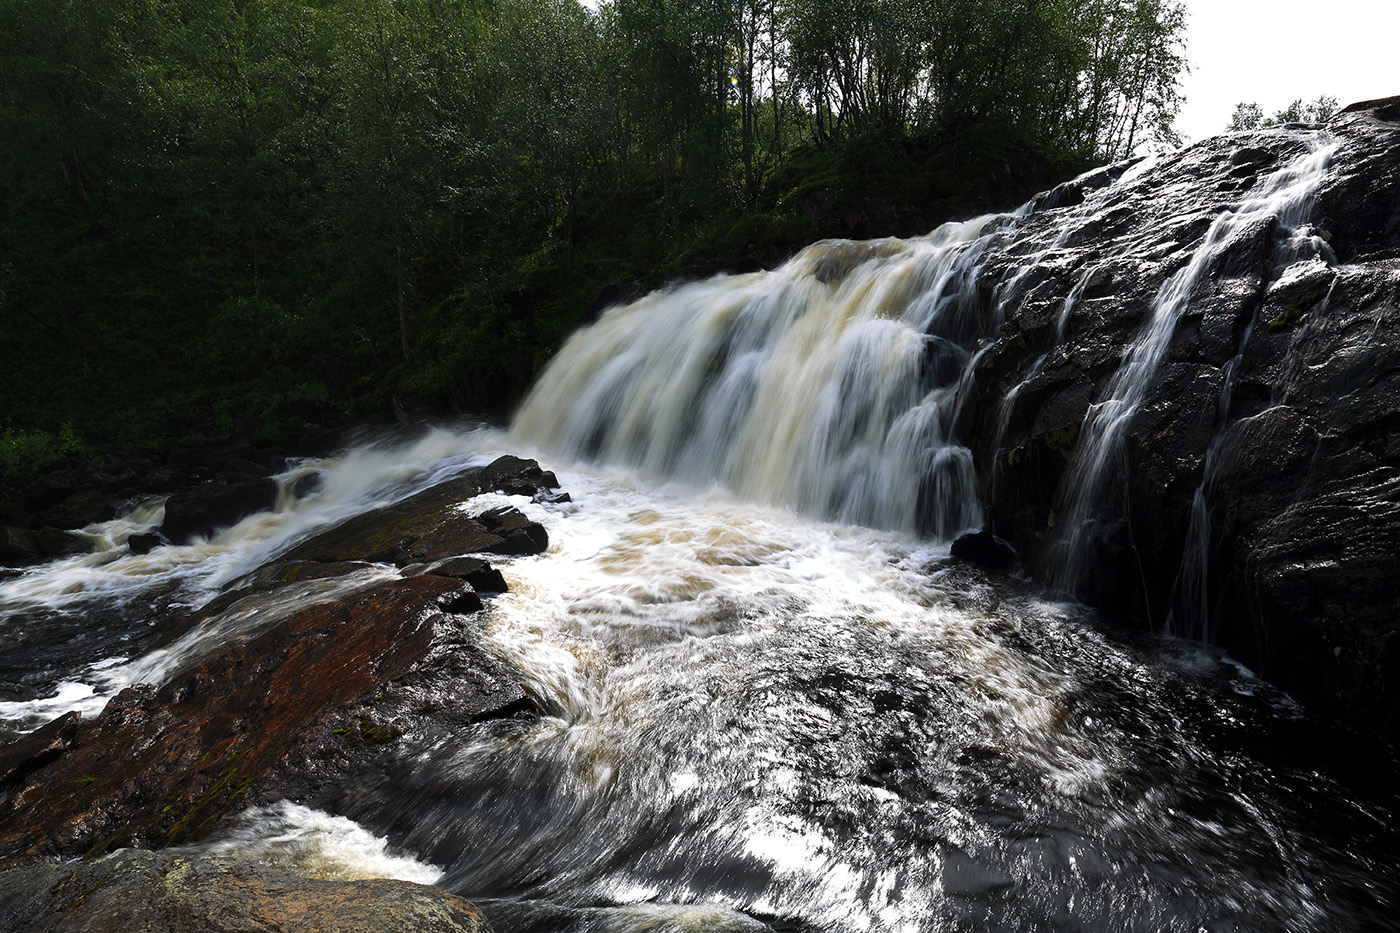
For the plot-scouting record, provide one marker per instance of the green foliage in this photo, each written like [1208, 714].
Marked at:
[243, 213]
[1251, 116]
[26, 454]
[1094, 78]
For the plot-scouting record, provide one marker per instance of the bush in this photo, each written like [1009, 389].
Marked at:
[25, 454]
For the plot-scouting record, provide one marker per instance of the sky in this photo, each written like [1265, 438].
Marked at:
[1272, 53]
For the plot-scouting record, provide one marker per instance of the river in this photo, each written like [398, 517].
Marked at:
[758, 720]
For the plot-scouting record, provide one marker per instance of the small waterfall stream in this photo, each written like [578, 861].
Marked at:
[1285, 197]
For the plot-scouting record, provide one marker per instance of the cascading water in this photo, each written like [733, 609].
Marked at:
[1285, 196]
[827, 385]
[760, 720]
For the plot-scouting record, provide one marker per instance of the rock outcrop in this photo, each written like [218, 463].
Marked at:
[160, 765]
[132, 891]
[1259, 499]
[315, 666]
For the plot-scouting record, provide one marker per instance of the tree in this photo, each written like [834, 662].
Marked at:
[1251, 116]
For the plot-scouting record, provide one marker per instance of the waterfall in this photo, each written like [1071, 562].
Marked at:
[827, 385]
[750, 719]
[1100, 458]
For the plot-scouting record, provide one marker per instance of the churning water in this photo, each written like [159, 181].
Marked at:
[771, 701]
[756, 720]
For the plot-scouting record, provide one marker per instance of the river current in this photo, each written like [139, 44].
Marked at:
[770, 698]
[757, 720]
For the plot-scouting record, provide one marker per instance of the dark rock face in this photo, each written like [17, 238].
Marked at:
[132, 891]
[431, 527]
[482, 576]
[18, 547]
[203, 509]
[986, 550]
[1258, 498]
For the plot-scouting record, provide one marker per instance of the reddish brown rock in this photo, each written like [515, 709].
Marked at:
[161, 765]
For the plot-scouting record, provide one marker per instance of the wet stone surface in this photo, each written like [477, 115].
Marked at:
[298, 674]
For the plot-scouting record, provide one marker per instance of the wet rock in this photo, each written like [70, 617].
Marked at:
[1255, 486]
[131, 891]
[482, 576]
[514, 476]
[202, 510]
[518, 534]
[55, 543]
[161, 765]
[307, 485]
[1360, 205]
[144, 542]
[985, 549]
[431, 526]
[19, 547]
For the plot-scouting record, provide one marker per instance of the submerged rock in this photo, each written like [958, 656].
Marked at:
[132, 891]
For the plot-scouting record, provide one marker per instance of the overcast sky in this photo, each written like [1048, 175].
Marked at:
[1272, 53]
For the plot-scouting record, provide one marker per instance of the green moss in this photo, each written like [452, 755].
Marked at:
[1294, 313]
[228, 786]
[374, 734]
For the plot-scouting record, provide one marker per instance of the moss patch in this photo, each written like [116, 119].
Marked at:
[1294, 313]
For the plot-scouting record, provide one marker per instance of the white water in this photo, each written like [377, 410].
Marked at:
[827, 385]
[314, 844]
[754, 714]
[49, 603]
[755, 706]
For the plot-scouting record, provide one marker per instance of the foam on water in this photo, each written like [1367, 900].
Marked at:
[314, 844]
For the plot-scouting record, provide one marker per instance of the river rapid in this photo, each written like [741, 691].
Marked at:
[770, 699]
[758, 720]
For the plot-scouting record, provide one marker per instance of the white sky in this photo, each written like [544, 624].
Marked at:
[1272, 53]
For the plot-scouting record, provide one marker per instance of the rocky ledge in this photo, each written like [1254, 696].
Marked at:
[207, 483]
[133, 891]
[346, 659]
[1261, 505]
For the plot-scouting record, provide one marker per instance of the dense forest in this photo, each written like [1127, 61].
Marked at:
[240, 214]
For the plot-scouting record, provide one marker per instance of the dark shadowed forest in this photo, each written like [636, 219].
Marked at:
[243, 214]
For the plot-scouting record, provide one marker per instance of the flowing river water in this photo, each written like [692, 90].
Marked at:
[756, 720]
[771, 700]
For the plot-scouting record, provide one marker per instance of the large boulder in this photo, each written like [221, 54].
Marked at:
[19, 547]
[132, 891]
[203, 509]
[161, 765]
